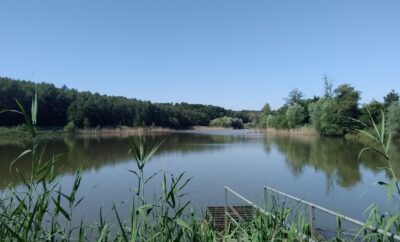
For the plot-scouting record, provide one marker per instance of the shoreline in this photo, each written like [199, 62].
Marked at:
[10, 135]
[303, 131]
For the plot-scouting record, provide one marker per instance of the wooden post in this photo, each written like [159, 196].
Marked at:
[265, 198]
[226, 211]
[312, 221]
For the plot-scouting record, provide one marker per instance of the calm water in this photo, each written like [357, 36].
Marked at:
[322, 170]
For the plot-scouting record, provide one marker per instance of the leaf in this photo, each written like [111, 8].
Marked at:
[26, 116]
[390, 222]
[13, 233]
[368, 135]
[61, 209]
[34, 108]
[151, 177]
[10, 111]
[134, 172]
[183, 224]
[390, 188]
[19, 157]
[373, 149]
[383, 127]
[125, 237]
[374, 124]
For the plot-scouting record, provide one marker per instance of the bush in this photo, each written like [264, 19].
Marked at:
[227, 122]
[295, 115]
[70, 127]
[324, 119]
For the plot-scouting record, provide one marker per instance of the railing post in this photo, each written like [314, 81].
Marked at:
[312, 221]
[265, 199]
[226, 211]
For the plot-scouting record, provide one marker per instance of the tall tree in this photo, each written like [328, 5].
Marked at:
[346, 105]
[295, 96]
[295, 115]
[328, 87]
[390, 98]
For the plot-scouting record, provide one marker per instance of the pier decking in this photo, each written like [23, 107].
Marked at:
[216, 214]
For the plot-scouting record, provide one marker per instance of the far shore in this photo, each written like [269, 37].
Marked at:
[14, 134]
[302, 131]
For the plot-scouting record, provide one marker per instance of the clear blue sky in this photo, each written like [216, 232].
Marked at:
[236, 54]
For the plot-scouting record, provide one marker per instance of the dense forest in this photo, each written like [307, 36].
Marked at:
[59, 107]
[331, 114]
[334, 113]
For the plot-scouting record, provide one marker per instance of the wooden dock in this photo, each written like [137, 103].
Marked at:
[239, 214]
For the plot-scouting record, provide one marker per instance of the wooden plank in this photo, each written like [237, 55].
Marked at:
[216, 214]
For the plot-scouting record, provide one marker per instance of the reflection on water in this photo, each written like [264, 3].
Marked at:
[336, 157]
[321, 169]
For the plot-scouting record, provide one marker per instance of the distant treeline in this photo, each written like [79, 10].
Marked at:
[334, 113]
[61, 106]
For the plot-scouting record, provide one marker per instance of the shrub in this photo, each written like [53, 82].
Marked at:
[227, 122]
[70, 127]
[295, 115]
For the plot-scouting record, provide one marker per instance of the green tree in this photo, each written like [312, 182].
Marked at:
[374, 108]
[390, 98]
[346, 105]
[324, 118]
[295, 96]
[265, 113]
[328, 87]
[295, 115]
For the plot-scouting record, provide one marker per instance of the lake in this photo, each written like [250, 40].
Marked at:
[325, 171]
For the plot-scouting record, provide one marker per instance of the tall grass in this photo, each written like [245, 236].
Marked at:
[380, 139]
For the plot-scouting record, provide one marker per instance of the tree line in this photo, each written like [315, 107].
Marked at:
[336, 113]
[61, 106]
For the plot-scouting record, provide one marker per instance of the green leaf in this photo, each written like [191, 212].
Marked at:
[19, 157]
[183, 224]
[61, 209]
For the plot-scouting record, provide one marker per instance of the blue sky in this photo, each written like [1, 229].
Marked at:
[236, 54]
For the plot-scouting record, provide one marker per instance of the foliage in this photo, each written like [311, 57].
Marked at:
[70, 127]
[331, 115]
[227, 122]
[59, 106]
[295, 115]
[374, 109]
[328, 87]
[323, 117]
[389, 222]
[390, 98]
[265, 113]
[295, 96]
[394, 120]
[346, 106]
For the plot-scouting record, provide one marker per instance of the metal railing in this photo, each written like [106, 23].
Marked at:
[313, 207]
[227, 190]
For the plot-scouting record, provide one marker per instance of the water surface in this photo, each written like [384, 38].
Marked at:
[326, 171]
